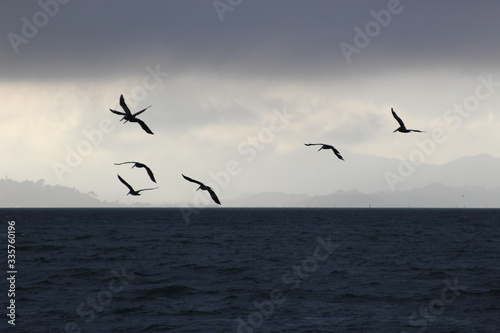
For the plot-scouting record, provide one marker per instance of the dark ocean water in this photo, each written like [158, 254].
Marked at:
[254, 270]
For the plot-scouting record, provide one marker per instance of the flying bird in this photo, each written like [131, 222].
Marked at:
[140, 165]
[402, 128]
[128, 116]
[131, 190]
[325, 146]
[203, 187]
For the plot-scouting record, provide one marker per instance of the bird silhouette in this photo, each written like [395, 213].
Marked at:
[325, 146]
[131, 189]
[402, 128]
[128, 116]
[203, 187]
[141, 165]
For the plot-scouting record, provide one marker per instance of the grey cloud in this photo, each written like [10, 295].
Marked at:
[264, 38]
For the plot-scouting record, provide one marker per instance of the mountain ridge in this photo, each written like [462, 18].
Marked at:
[470, 181]
[434, 195]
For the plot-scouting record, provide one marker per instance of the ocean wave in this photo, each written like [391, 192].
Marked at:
[169, 291]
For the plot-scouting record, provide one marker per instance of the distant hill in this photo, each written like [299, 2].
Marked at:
[470, 181]
[479, 170]
[270, 199]
[433, 196]
[324, 174]
[37, 194]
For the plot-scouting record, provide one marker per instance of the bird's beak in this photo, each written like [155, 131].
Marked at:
[198, 188]
[394, 131]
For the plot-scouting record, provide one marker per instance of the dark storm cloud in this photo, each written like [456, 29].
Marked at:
[258, 37]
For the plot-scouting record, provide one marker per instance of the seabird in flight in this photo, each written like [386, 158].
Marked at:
[131, 190]
[204, 187]
[402, 128]
[128, 116]
[140, 165]
[325, 146]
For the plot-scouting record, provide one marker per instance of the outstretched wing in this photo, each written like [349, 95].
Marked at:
[117, 112]
[147, 189]
[397, 118]
[214, 197]
[150, 173]
[125, 183]
[337, 153]
[124, 106]
[192, 180]
[417, 131]
[323, 145]
[144, 126]
[139, 112]
[123, 163]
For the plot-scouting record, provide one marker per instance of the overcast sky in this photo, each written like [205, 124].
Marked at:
[238, 87]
